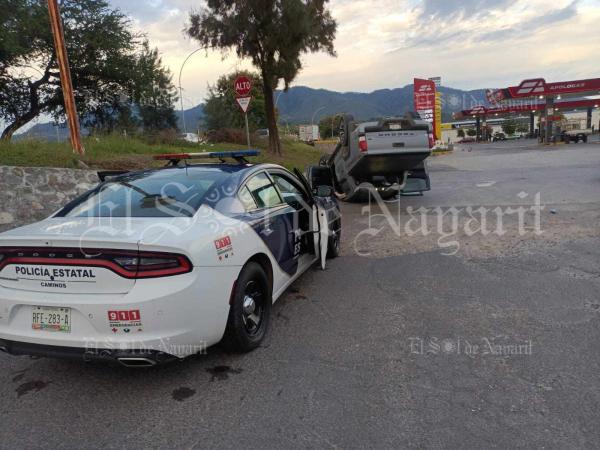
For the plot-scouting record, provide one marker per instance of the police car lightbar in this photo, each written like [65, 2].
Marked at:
[239, 155]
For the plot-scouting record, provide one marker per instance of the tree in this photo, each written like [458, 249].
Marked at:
[222, 111]
[523, 127]
[154, 94]
[509, 126]
[460, 133]
[328, 126]
[471, 132]
[109, 66]
[273, 34]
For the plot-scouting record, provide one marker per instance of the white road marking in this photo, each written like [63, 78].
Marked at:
[486, 184]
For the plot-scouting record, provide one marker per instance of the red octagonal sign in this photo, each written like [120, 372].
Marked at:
[242, 86]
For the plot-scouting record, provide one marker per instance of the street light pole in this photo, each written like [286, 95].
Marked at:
[278, 97]
[312, 121]
[65, 75]
[332, 125]
[181, 88]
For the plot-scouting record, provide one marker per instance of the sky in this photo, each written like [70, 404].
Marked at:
[380, 44]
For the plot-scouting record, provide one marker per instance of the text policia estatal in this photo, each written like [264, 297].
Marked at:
[57, 273]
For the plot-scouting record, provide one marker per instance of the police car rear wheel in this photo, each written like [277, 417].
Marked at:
[250, 310]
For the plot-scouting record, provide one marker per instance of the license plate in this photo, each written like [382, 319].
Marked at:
[51, 319]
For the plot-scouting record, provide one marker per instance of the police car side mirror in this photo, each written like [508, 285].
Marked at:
[324, 191]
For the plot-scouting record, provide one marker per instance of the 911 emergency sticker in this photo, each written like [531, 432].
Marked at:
[125, 321]
[224, 247]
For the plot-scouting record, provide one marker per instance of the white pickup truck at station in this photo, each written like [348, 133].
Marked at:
[388, 156]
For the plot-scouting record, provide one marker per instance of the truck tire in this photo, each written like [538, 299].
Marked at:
[359, 195]
[584, 138]
[389, 194]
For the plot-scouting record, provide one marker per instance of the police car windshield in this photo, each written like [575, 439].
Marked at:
[177, 192]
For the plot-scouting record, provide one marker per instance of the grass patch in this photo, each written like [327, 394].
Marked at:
[294, 154]
[116, 152]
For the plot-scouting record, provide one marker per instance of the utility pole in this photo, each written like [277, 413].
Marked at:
[65, 76]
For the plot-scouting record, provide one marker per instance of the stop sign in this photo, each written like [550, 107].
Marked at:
[242, 86]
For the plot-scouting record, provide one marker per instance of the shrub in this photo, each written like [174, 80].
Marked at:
[230, 135]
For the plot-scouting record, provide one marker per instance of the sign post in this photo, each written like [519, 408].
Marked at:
[242, 88]
[437, 115]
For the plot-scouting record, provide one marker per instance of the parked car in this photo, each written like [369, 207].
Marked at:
[576, 136]
[156, 265]
[262, 133]
[190, 137]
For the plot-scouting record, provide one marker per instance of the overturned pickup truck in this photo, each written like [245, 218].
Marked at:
[388, 156]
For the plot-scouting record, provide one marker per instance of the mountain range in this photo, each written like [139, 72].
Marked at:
[301, 104]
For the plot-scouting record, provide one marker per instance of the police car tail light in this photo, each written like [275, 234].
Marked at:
[363, 145]
[125, 263]
[154, 265]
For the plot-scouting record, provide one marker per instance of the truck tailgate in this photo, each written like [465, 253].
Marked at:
[391, 142]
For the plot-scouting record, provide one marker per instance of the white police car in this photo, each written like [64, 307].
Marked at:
[156, 265]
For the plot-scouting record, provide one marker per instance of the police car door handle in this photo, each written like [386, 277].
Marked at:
[267, 230]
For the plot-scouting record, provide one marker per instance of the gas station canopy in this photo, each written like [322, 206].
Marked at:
[538, 95]
[533, 95]
[524, 108]
[538, 87]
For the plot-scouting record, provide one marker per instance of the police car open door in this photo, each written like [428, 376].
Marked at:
[319, 222]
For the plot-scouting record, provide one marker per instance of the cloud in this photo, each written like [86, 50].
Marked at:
[452, 9]
[532, 25]
[149, 11]
[470, 22]
[384, 44]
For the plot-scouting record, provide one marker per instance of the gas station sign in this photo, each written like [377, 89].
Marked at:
[424, 98]
[428, 104]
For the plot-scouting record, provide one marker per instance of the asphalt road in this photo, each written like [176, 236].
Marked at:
[493, 346]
